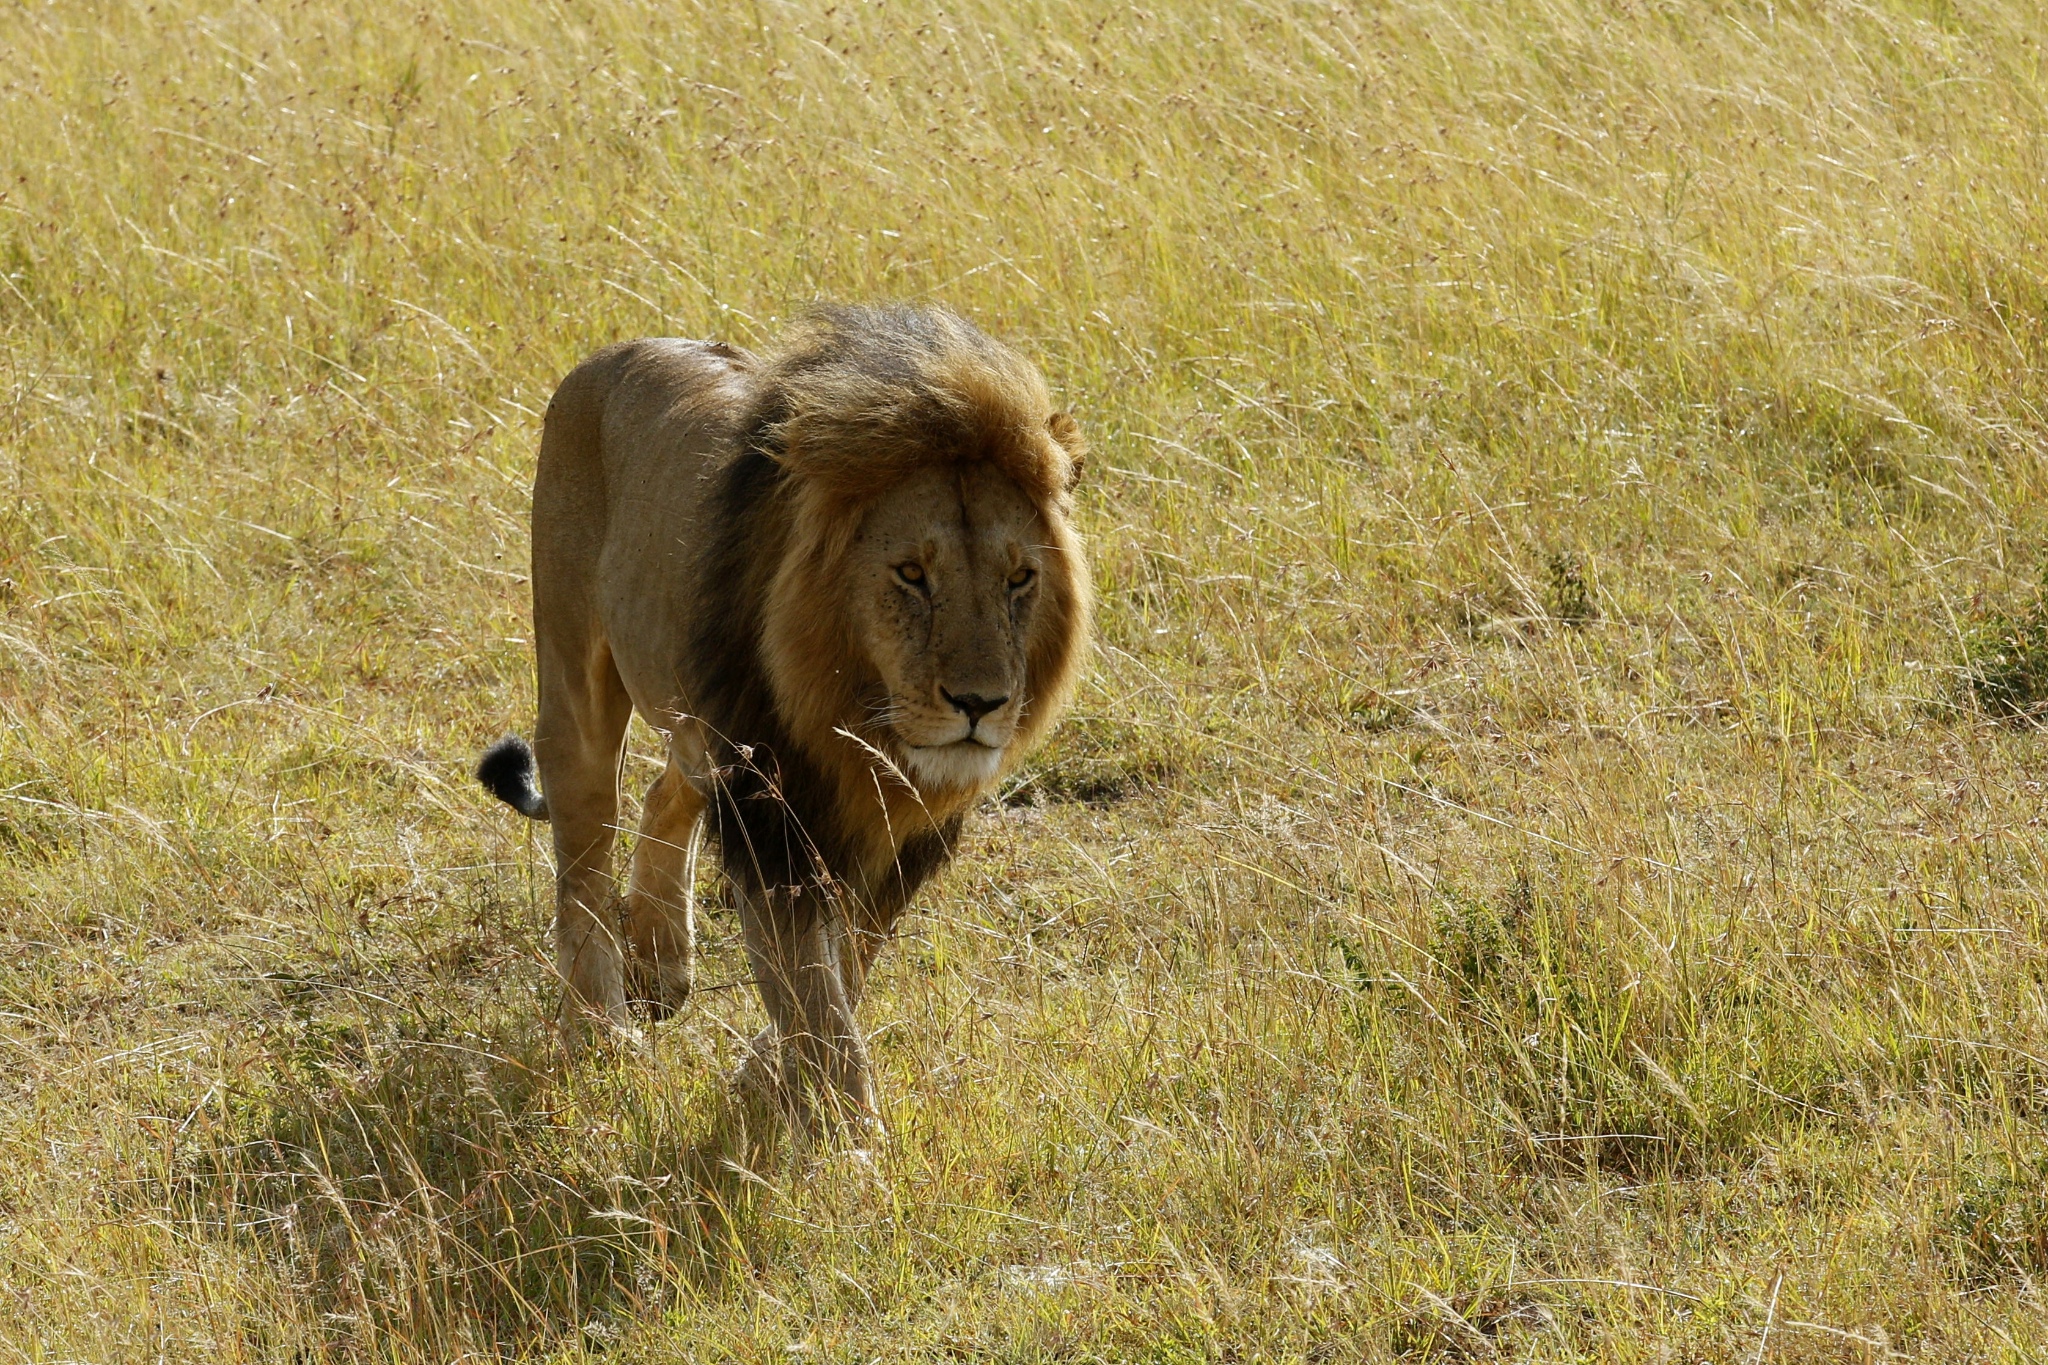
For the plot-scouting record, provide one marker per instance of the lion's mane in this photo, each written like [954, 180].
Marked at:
[851, 402]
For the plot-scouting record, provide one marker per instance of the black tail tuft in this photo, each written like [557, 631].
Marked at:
[506, 770]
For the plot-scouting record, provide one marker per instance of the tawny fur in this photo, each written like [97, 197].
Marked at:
[807, 570]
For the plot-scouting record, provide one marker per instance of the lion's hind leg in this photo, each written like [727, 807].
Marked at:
[580, 737]
[661, 894]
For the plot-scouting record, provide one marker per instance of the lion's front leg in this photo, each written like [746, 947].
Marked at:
[797, 943]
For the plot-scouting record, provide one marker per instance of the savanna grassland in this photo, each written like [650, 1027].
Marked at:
[1548, 864]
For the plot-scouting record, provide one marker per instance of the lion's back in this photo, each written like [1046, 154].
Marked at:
[619, 495]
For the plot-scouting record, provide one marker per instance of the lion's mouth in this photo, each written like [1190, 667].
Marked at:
[967, 762]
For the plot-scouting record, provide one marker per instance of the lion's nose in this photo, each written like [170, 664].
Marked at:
[972, 705]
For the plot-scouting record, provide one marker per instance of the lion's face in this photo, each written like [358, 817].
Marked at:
[946, 575]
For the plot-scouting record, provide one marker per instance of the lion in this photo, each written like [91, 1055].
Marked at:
[841, 580]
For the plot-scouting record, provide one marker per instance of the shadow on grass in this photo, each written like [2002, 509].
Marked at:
[463, 1195]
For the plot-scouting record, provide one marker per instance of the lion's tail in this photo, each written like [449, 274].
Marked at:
[506, 770]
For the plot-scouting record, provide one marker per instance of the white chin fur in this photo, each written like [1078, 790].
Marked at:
[961, 765]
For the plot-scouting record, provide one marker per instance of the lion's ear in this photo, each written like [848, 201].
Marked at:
[1067, 432]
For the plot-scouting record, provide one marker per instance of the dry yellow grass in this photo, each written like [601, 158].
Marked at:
[1528, 879]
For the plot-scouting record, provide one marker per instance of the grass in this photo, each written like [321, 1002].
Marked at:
[1549, 864]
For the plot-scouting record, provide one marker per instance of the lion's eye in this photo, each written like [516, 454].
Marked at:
[1022, 576]
[911, 573]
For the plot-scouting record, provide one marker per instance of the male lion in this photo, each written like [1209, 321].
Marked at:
[839, 577]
